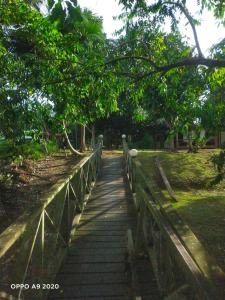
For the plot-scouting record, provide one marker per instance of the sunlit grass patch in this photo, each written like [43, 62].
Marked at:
[199, 203]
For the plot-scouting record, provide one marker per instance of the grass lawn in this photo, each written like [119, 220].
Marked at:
[199, 203]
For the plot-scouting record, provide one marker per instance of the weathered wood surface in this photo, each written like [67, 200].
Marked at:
[165, 179]
[96, 266]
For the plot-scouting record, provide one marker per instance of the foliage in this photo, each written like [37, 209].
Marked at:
[32, 150]
[170, 80]
[59, 66]
[6, 180]
[147, 142]
[219, 164]
[52, 64]
[173, 98]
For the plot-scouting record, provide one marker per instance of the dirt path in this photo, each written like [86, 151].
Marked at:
[31, 181]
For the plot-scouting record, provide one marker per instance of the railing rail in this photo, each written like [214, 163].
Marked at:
[33, 248]
[180, 263]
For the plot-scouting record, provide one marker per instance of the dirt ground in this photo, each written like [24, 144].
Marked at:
[30, 181]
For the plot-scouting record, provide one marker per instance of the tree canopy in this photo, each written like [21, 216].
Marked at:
[55, 59]
[58, 67]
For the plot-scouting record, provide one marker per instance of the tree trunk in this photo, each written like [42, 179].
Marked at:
[74, 151]
[177, 141]
[82, 138]
[172, 146]
[93, 136]
[190, 144]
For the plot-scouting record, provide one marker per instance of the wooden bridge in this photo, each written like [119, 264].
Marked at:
[97, 265]
[105, 238]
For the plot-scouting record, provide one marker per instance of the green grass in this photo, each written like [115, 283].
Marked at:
[200, 204]
[184, 170]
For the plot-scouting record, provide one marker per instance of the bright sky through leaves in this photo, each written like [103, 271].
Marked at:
[209, 33]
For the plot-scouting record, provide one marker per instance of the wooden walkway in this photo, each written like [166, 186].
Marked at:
[96, 267]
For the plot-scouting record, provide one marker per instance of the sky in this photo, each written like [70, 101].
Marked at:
[209, 33]
[107, 9]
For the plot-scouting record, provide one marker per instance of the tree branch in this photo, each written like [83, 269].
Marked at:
[117, 59]
[187, 62]
[74, 151]
[190, 20]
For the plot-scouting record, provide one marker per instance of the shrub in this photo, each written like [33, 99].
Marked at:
[34, 150]
[147, 142]
[219, 164]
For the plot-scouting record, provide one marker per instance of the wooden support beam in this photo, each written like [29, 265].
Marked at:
[132, 262]
[178, 293]
[165, 179]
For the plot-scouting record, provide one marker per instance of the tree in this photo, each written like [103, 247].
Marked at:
[58, 57]
[156, 12]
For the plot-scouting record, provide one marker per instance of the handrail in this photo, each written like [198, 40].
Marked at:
[34, 246]
[181, 265]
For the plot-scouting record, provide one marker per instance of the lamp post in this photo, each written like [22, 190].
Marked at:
[101, 139]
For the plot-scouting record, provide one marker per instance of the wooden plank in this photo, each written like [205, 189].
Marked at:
[114, 191]
[97, 251]
[107, 217]
[108, 202]
[92, 268]
[111, 207]
[106, 212]
[85, 245]
[102, 227]
[98, 238]
[96, 298]
[104, 198]
[100, 232]
[88, 278]
[103, 222]
[97, 258]
[100, 290]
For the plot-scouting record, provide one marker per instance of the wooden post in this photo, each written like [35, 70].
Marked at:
[82, 138]
[132, 262]
[165, 180]
[139, 234]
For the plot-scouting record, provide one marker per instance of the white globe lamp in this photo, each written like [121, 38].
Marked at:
[133, 153]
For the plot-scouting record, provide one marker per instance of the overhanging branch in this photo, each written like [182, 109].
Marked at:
[185, 11]
[186, 62]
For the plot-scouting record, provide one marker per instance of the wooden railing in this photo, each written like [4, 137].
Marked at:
[33, 248]
[182, 267]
